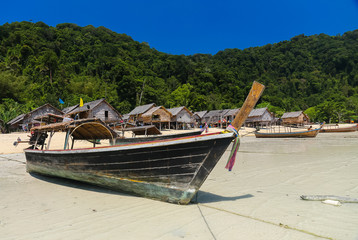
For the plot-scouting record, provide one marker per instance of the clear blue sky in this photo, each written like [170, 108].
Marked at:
[189, 27]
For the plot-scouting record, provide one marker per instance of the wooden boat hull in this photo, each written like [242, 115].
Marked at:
[342, 129]
[168, 170]
[303, 134]
[120, 141]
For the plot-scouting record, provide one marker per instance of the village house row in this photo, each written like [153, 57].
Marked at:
[150, 114]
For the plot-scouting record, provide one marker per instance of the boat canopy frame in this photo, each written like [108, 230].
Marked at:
[84, 129]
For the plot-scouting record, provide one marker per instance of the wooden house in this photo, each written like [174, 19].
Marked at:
[135, 116]
[197, 118]
[215, 118]
[100, 109]
[182, 117]
[229, 116]
[34, 118]
[295, 118]
[158, 116]
[260, 117]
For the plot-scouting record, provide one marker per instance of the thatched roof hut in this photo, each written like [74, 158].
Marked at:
[26, 121]
[215, 117]
[136, 114]
[181, 117]
[158, 116]
[260, 117]
[295, 118]
[99, 109]
[198, 117]
[230, 114]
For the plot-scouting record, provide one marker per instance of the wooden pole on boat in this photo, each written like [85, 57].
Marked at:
[66, 139]
[250, 102]
[49, 140]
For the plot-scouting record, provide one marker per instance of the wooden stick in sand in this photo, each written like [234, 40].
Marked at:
[250, 102]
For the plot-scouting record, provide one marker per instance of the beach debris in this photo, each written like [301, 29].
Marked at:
[332, 202]
[329, 197]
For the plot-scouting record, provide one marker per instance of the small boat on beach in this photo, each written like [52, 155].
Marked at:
[170, 170]
[336, 128]
[310, 133]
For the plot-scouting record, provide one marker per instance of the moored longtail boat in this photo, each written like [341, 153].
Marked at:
[337, 128]
[170, 170]
[299, 134]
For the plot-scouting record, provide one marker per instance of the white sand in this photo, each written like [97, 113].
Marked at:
[259, 199]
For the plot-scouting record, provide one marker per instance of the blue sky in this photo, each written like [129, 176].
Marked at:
[189, 27]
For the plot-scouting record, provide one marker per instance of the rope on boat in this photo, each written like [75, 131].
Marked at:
[265, 221]
[202, 215]
[243, 135]
[235, 147]
[13, 160]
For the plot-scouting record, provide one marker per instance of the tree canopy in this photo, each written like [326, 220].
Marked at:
[40, 64]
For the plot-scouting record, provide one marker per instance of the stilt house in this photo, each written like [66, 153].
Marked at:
[27, 121]
[260, 117]
[229, 116]
[198, 118]
[135, 116]
[215, 117]
[100, 109]
[295, 118]
[181, 117]
[158, 116]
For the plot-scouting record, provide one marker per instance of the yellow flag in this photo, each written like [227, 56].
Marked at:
[81, 102]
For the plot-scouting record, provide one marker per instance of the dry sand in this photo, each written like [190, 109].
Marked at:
[258, 199]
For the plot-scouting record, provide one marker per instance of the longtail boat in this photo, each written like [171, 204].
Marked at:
[336, 128]
[299, 134]
[170, 170]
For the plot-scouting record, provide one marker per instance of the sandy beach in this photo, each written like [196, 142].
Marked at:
[258, 199]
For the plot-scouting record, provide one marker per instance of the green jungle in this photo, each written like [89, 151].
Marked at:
[40, 64]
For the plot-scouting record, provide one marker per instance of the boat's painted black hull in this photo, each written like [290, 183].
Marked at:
[120, 141]
[171, 170]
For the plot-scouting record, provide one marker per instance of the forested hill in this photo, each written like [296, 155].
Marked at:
[40, 64]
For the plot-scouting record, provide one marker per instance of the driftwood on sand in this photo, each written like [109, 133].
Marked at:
[329, 197]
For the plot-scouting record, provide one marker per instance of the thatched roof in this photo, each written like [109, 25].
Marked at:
[177, 110]
[257, 112]
[292, 114]
[152, 110]
[17, 119]
[231, 112]
[69, 109]
[216, 113]
[200, 114]
[141, 109]
[89, 106]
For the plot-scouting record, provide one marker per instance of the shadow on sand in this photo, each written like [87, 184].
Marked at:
[75, 184]
[200, 197]
[206, 197]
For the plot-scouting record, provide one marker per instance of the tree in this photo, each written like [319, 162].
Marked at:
[181, 96]
[49, 63]
[311, 113]
[9, 109]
